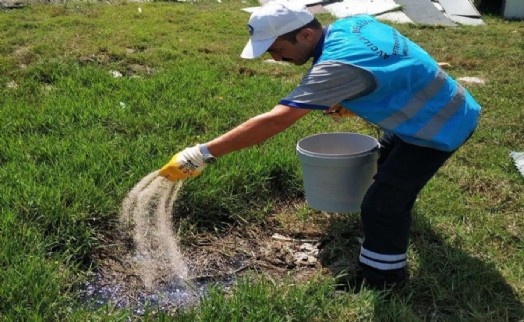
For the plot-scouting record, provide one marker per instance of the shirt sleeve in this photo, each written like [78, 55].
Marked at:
[329, 83]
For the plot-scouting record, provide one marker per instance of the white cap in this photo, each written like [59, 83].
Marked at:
[273, 19]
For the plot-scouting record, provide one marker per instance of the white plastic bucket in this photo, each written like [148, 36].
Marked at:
[338, 169]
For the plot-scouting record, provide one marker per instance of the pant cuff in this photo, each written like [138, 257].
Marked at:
[382, 261]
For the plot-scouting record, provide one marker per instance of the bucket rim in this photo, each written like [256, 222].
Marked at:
[338, 155]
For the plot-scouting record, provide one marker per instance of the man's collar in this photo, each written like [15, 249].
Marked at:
[320, 45]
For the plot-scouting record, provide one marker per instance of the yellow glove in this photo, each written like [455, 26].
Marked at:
[338, 111]
[185, 164]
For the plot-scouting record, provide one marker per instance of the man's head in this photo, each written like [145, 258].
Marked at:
[286, 30]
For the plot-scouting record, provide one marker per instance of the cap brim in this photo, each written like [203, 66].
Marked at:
[256, 48]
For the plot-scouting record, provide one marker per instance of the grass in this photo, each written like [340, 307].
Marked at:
[75, 139]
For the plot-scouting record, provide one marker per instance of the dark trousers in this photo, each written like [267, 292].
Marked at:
[403, 170]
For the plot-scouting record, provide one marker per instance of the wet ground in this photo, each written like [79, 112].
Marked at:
[176, 294]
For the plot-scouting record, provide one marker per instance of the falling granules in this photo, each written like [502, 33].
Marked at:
[148, 209]
[518, 159]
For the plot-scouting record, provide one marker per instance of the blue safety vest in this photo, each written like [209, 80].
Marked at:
[413, 98]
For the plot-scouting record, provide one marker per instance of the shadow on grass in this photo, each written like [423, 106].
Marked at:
[493, 7]
[451, 283]
[446, 284]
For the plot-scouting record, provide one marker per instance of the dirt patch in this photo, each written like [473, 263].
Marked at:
[285, 244]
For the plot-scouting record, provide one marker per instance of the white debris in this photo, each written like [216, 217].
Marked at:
[307, 254]
[12, 84]
[304, 259]
[472, 80]
[444, 65]
[271, 61]
[461, 12]
[250, 9]
[309, 248]
[355, 7]
[395, 16]
[278, 236]
[115, 73]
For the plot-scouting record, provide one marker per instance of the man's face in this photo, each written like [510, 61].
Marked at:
[297, 53]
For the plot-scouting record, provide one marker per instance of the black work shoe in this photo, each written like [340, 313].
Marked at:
[371, 278]
[381, 280]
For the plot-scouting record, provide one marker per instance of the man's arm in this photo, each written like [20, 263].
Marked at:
[191, 161]
[256, 130]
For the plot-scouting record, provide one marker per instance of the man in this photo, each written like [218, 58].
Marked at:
[370, 69]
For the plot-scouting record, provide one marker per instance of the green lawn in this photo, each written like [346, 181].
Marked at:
[74, 140]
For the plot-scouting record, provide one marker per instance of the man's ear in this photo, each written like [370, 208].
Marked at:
[306, 34]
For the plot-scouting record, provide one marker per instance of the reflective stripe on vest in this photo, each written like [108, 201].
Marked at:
[436, 122]
[417, 103]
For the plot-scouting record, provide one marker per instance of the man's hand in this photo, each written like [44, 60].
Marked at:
[187, 163]
[338, 111]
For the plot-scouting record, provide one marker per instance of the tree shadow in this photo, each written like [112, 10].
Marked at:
[447, 283]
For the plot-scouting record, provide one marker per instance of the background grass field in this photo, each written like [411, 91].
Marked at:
[74, 139]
